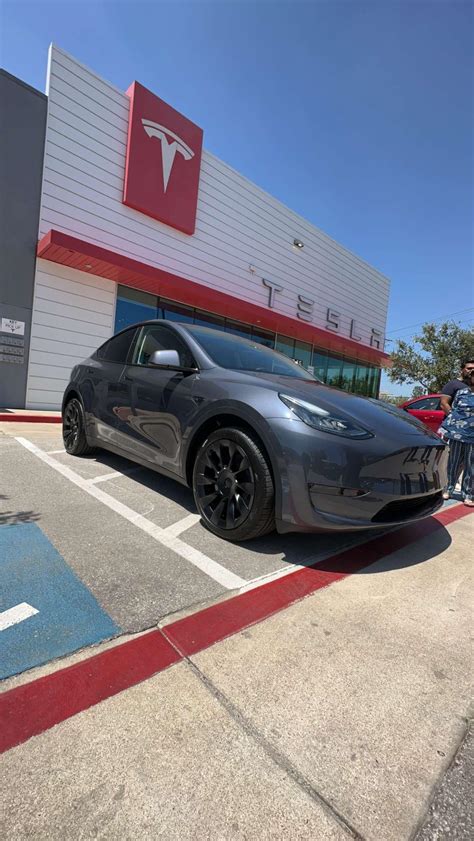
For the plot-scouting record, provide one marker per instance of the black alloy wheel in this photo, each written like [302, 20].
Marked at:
[233, 487]
[74, 434]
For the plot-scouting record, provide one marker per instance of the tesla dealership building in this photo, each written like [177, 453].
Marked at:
[112, 212]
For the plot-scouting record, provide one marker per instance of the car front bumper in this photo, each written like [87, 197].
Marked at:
[339, 484]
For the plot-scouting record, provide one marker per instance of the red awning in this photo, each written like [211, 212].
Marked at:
[93, 259]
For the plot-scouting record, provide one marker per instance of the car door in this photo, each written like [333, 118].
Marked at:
[160, 400]
[428, 410]
[104, 389]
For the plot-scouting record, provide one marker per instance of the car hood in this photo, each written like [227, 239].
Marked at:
[373, 415]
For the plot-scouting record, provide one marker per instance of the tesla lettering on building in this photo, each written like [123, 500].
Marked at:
[304, 310]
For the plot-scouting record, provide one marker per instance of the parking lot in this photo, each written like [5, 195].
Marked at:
[198, 692]
[131, 536]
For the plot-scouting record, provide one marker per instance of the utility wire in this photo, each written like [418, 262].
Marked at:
[409, 337]
[433, 320]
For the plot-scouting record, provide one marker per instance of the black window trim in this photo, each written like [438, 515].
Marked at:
[134, 328]
[141, 328]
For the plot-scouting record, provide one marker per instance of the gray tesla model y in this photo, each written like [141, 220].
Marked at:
[261, 442]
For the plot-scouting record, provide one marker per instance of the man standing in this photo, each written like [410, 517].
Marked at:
[450, 389]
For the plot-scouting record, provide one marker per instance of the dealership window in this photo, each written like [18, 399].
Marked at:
[374, 379]
[361, 383]
[334, 371]
[348, 374]
[238, 329]
[172, 311]
[320, 364]
[208, 319]
[132, 306]
[302, 353]
[286, 345]
[263, 337]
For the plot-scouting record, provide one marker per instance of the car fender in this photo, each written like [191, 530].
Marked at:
[256, 421]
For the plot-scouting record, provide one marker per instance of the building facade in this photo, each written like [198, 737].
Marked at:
[137, 221]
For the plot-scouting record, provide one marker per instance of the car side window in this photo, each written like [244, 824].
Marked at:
[117, 348]
[427, 403]
[155, 337]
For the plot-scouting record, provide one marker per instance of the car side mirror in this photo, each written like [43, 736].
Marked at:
[165, 359]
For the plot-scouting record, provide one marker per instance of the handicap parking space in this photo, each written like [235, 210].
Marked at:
[45, 609]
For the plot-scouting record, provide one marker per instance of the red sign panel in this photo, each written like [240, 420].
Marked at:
[163, 161]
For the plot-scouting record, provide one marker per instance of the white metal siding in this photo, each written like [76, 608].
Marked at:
[237, 223]
[238, 226]
[73, 315]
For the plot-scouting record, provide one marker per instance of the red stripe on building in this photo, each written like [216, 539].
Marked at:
[30, 709]
[93, 259]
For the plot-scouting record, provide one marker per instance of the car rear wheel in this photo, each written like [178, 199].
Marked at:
[233, 486]
[74, 429]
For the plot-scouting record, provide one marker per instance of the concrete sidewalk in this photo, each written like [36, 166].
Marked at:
[335, 718]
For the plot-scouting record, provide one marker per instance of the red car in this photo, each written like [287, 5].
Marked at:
[427, 409]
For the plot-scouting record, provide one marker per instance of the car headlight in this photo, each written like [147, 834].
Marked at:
[322, 420]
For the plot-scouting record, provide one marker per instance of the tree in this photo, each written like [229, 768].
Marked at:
[418, 391]
[433, 357]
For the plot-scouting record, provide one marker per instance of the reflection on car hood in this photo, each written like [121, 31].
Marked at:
[373, 415]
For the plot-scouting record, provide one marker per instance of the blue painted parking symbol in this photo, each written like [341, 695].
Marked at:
[45, 610]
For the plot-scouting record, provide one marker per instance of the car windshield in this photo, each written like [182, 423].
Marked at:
[238, 354]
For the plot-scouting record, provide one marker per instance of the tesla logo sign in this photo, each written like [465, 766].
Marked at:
[163, 161]
[168, 150]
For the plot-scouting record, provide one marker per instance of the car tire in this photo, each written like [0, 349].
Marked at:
[233, 486]
[74, 429]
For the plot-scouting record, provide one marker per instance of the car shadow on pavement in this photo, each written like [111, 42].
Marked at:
[150, 479]
[332, 552]
[422, 549]
[310, 550]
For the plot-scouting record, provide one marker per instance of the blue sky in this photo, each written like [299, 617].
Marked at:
[358, 115]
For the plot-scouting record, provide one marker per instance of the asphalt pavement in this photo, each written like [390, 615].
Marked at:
[127, 536]
[340, 714]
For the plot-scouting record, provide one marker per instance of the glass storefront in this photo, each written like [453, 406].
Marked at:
[342, 372]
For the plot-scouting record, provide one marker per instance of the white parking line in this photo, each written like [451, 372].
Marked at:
[211, 568]
[182, 525]
[16, 614]
[107, 476]
[55, 452]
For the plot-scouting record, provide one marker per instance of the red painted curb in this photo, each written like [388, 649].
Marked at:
[30, 709]
[34, 707]
[208, 626]
[12, 418]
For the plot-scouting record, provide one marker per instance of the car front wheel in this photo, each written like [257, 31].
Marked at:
[233, 486]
